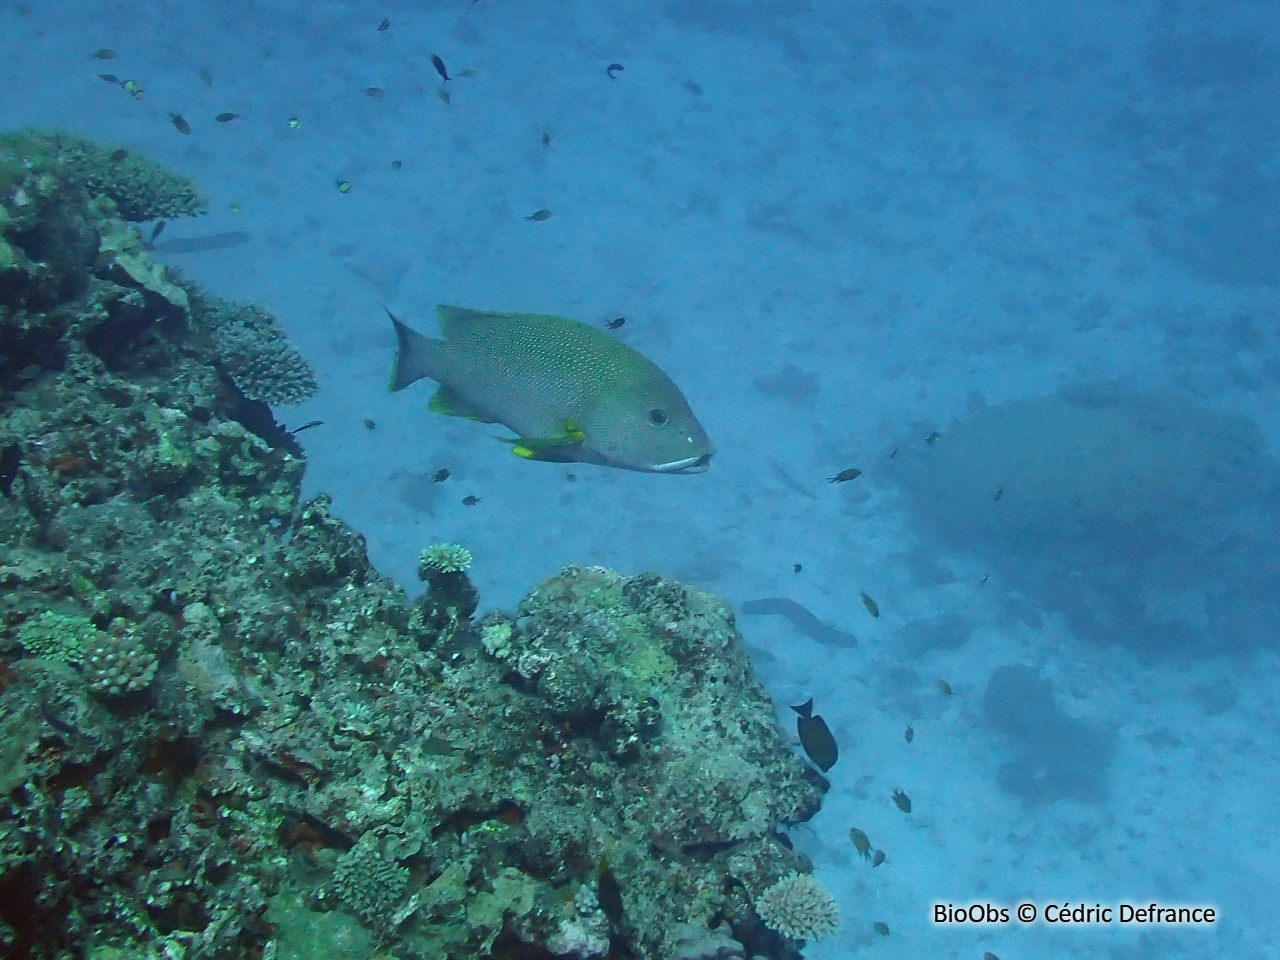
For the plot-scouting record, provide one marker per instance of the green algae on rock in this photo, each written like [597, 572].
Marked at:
[261, 745]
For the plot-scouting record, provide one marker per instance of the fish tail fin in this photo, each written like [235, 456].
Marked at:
[416, 356]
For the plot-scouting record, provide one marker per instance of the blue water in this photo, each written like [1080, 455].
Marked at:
[914, 211]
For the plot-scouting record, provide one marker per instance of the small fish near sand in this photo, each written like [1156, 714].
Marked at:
[570, 392]
[815, 736]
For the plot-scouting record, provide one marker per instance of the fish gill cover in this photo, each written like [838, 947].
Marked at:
[223, 734]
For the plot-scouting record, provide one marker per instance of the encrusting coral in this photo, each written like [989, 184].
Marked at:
[224, 735]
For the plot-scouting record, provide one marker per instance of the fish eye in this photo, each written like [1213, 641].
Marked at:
[657, 417]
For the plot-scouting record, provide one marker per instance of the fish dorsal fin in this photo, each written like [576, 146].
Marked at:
[457, 322]
[446, 401]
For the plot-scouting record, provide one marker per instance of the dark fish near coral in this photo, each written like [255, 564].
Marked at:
[309, 425]
[902, 800]
[440, 67]
[570, 392]
[815, 736]
[616, 322]
[118, 155]
[613, 69]
[180, 123]
[861, 842]
[801, 619]
[873, 608]
[844, 476]
[609, 893]
[155, 235]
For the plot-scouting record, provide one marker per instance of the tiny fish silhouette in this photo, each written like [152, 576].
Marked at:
[440, 67]
[815, 736]
[539, 215]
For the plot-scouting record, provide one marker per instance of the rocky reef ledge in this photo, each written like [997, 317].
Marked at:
[223, 734]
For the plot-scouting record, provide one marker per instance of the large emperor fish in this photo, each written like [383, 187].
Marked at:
[571, 393]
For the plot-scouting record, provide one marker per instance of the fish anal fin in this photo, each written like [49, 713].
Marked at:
[447, 402]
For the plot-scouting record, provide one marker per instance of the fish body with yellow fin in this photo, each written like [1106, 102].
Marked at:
[570, 392]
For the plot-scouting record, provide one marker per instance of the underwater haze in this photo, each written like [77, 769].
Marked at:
[977, 303]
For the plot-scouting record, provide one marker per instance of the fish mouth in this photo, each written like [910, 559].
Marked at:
[688, 465]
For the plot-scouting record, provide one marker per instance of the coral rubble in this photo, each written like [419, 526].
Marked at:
[223, 734]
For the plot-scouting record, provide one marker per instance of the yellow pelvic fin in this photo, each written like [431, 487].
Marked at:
[552, 449]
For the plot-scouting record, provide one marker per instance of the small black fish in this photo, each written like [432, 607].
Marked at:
[396, 164]
[797, 567]
[844, 476]
[306, 426]
[226, 117]
[932, 438]
[815, 736]
[873, 608]
[440, 476]
[106, 53]
[616, 322]
[109, 77]
[998, 494]
[371, 424]
[118, 155]
[902, 800]
[376, 92]
[613, 69]
[180, 123]
[440, 67]
[693, 87]
[893, 453]
[877, 858]
[546, 139]
[470, 501]
[881, 928]
[608, 893]
[539, 215]
[909, 734]
[55, 721]
[386, 22]
[155, 233]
